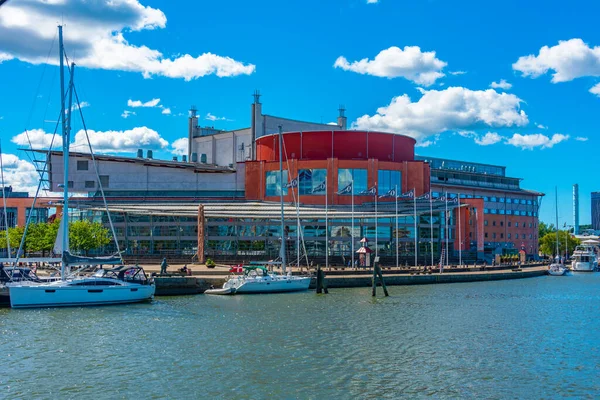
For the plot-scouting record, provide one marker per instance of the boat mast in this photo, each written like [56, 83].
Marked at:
[556, 199]
[4, 202]
[65, 138]
[283, 249]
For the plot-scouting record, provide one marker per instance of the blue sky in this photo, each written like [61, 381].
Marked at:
[441, 55]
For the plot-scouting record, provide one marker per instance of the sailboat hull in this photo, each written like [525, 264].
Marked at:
[53, 295]
[269, 284]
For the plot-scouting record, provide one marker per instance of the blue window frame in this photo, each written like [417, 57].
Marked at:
[388, 180]
[346, 176]
[273, 183]
[312, 181]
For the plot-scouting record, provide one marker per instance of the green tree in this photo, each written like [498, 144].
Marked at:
[548, 243]
[544, 229]
[36, 234]
[85, 235]
[14, 235]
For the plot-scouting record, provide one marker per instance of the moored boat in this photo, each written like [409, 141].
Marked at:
[257, 279]
[584, 258]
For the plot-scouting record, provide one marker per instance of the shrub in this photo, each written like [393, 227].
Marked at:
[210, 263]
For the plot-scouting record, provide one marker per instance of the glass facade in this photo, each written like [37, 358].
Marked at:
[358, 176]
[11, 217]
[388, 180]
[312, 181]
[273, 183]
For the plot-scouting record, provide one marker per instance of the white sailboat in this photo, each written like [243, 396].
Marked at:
[258, 279]
[123, 284]
[557, 268]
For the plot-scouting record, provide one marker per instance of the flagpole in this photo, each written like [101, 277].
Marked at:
[431, 224]
[396, 196]
[298, 227]
[459, 235]
[352, 232]
[326, 224]
[446, 225]
[376, 220]
[415, 221]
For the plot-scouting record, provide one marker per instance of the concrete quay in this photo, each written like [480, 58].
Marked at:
[203, 278]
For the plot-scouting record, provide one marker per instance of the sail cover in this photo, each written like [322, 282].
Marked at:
[73, 260]
[58, 243]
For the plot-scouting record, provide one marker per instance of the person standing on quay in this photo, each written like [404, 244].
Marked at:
[163, 266]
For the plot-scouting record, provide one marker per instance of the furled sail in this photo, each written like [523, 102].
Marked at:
[73, 260]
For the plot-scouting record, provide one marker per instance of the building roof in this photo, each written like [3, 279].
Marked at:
[269, 210]
[196, 167]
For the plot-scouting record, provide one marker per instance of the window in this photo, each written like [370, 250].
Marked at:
[486, 210]
[494, 235]
[516, 224]
[508, 236]
[485, 223]
[516, 235]
[494, 211]
[273, 183]
[509, 212]
[358, 176]
[82, 165]
[509, 224]
[529, 202]
[493, 198]
[388, 180]
[312, 181]
[501, 212]
[523, 201]
[90, 184]
[493, 223]
[70, 184]
[530, 225]
[104, 180]
[508, 200]
[501, 223]
[530, 236]
[501, 199]
[486, 234]
[502, 236]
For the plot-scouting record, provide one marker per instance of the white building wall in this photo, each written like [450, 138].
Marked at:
[130, 176]
[224, 148]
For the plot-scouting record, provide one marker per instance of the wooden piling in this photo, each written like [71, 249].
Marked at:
[321, 283]
[380, 273]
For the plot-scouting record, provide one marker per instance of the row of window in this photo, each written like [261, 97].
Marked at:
[510, 212]
[497, 199]
[508, 236]
[509, 224]
[313, 181]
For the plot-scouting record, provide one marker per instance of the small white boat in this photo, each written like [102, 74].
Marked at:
[558, 270]
[585, 258]
[222, 291]
[257, 279]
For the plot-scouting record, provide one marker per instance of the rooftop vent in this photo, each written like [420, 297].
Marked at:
[149, 154]
[140, 153]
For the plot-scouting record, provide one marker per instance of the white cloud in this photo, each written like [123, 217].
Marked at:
[38, 139]
[595, 89]
[451, 109]
[581, 139]
[457, 72]
[501, 85]
[569, 59]
[211, 117]
[139, 103]
[332, 123]
[540, 126]
[95, 38]
[488, 139]
[20, 174]
[127, 141]
[532, 141]
[411, 63]
[75, 107]
[180, 147]
[166, 111]
[372, 1]
[127, 113]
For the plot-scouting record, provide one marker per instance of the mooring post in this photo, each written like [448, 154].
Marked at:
[319, 280]
[374, 278]
[380, 273]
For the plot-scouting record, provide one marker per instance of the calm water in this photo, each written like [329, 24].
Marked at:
[533, 338]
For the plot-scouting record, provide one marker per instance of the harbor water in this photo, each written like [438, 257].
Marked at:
[530, 338]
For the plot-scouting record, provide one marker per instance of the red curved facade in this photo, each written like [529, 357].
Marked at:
[333, 151]
[343, 145]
